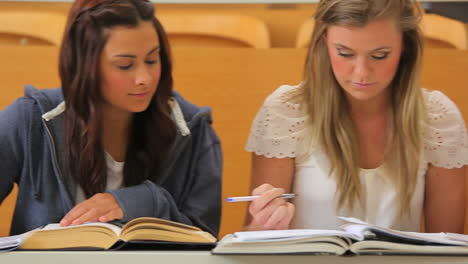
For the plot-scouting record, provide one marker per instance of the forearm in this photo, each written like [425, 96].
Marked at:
[199, 204]
[148, 199]
[445, 200]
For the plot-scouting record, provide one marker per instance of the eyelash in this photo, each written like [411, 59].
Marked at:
[375, 57]
[380, 57]
[345, 55]
[126, 67]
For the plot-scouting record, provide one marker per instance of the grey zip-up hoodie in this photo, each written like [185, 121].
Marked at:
[31, 155]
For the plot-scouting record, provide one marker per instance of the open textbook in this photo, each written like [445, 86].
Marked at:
[95, 235]
[355, 237]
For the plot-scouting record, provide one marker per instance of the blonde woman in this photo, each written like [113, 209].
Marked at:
[359, 137]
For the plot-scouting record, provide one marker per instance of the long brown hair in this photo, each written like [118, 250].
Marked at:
[152, 132]
[331, 126]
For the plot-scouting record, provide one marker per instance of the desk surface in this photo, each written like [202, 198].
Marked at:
[182, 257]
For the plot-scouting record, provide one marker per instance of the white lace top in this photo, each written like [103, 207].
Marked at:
[279, 130]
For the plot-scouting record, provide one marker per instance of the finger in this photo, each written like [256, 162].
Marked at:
[264, 215]
[266, 198]
[285, 222]
[91, 215]
[276, 217]
[74, 213]
[114, 211]
[110, 216]
[262, 188]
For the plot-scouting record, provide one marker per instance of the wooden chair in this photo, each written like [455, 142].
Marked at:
[214, 29]
[31, 27]
[444, 32]
[304, 34]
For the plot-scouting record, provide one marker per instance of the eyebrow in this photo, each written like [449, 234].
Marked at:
[133, 56]
[337, 45]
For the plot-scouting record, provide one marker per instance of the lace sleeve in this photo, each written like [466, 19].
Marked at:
[445, 139]
[279, 126]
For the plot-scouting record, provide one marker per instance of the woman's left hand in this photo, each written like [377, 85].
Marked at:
[100, 207]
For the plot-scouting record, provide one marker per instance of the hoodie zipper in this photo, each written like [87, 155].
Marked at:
[56, 163]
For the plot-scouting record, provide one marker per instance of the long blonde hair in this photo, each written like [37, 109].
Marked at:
[330, 122]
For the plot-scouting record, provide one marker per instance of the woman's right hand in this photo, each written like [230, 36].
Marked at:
[269, 211]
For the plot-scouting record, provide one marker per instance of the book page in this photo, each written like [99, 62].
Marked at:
[388, 248]
[112, 227]
[161, 223]
[289, 234]
[362, 230]
[457, 237]
[13, 242]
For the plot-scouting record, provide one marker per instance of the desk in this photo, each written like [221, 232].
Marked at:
[183, 257]
[234, 82]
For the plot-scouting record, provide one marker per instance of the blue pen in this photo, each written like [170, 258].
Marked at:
[251, 198]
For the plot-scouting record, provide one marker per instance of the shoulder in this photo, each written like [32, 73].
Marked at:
[445, 138]
[191, 111]
[34, 102]
[23, 118]
[286, 94]
[44, 99]
[279, 127]
[436, 100]
[441, 110]
[288, 101]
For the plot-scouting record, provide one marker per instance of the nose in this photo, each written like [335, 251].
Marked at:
[143, 76]
[362, 68]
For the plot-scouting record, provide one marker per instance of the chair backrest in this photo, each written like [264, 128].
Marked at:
[6, 212]
[442, 31]
[304, 34]
[214, 29]
[31, 27]
[438, 31]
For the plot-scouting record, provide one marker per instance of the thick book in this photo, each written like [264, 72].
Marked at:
[354, 238]
[143, 232]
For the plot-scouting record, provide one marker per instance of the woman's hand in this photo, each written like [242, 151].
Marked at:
[269, 211]
[100, 207]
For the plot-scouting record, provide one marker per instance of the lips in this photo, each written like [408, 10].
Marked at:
[362, 85]
[139, 95]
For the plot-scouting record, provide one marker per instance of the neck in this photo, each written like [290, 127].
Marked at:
[371, 109]
[115, 132]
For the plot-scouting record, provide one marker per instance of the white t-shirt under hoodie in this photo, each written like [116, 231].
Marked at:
[279, 130]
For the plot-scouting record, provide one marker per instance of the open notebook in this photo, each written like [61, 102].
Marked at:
[355, 237]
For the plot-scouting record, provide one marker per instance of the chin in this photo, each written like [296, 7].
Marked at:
[362, 96]
[139, 108]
